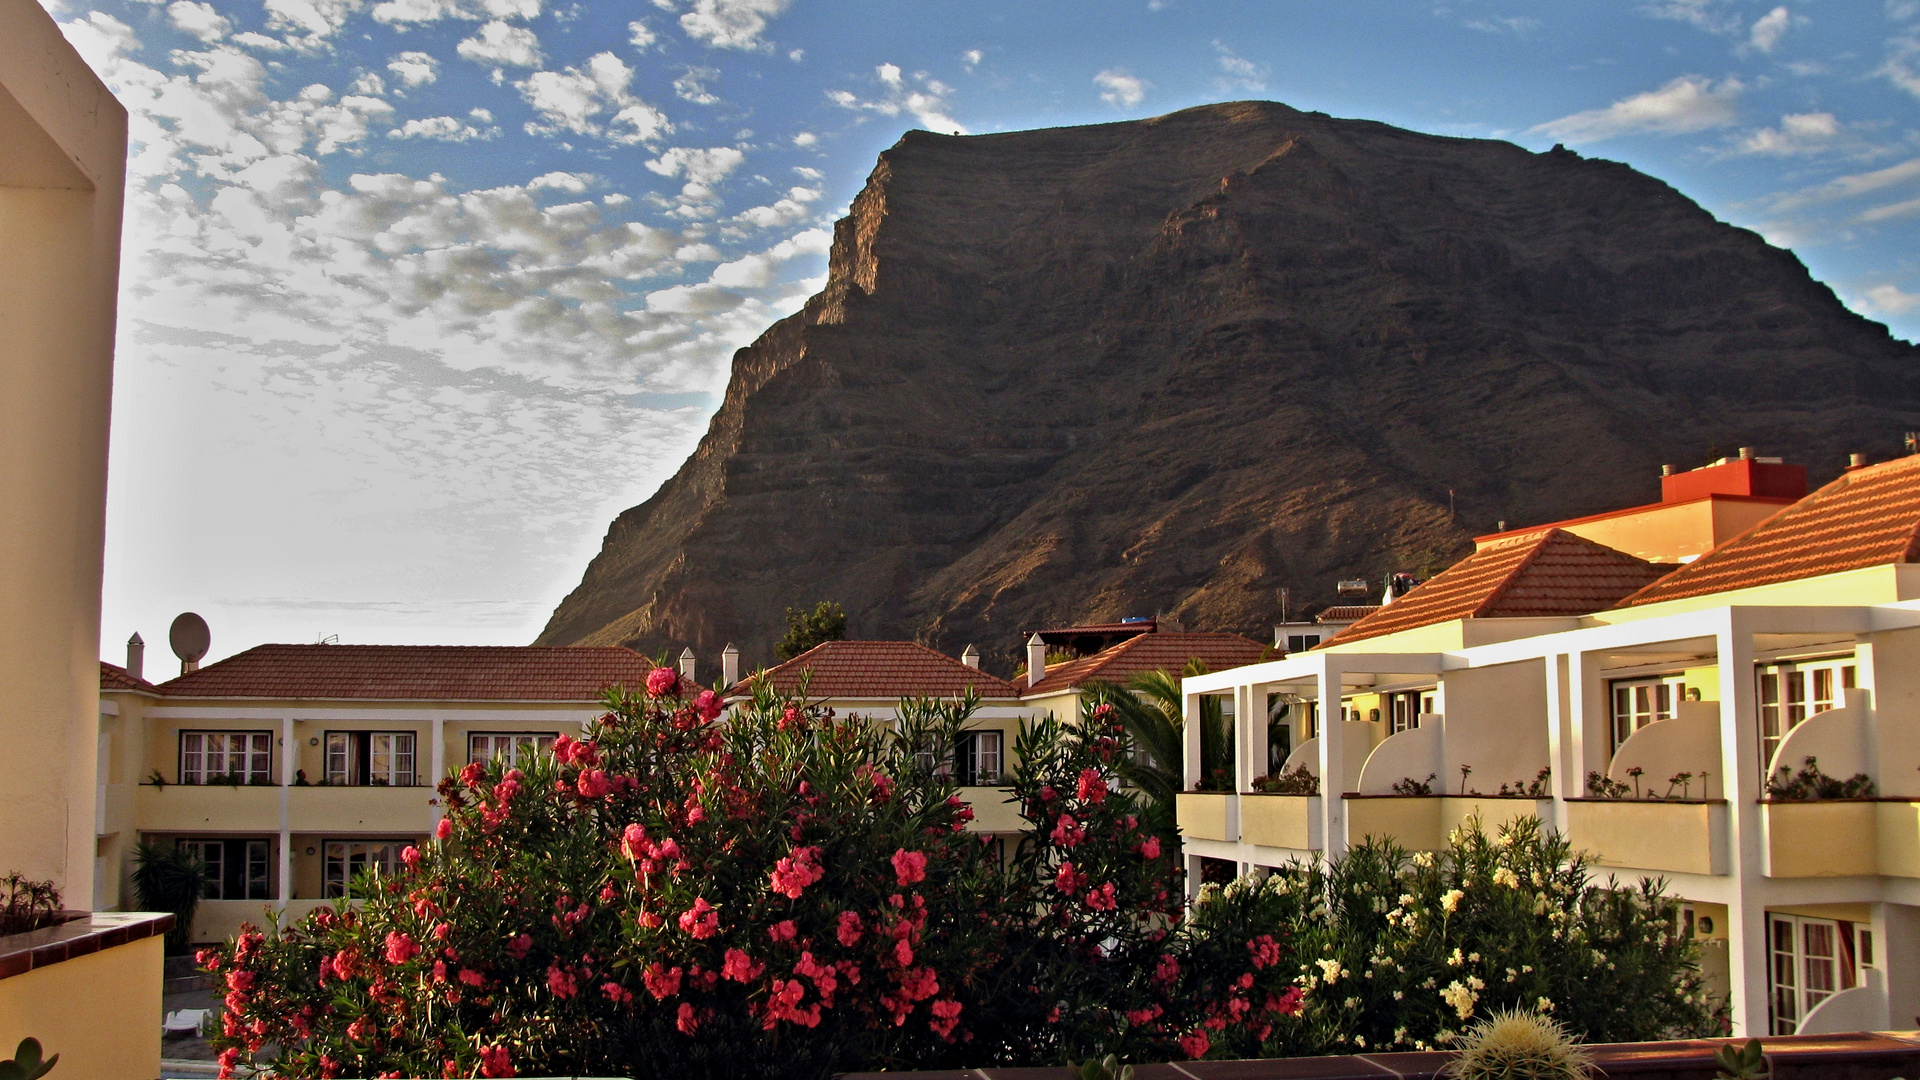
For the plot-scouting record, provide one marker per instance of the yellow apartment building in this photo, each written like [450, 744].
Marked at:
[289, 768]
[1641, 702]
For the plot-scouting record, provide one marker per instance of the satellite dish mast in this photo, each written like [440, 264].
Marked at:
[190, 639]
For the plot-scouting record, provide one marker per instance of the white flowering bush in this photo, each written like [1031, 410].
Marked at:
[1404, 952]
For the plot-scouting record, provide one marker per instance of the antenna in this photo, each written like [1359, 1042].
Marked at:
[190, 639]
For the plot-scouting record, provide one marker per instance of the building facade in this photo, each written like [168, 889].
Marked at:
[1665, 708]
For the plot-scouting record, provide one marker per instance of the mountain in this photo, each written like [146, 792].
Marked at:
[1174, 365]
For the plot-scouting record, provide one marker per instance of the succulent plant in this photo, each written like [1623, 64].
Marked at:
[1107, 1068]
[26, 1064]
[1741, 1061]
[1519, 1044]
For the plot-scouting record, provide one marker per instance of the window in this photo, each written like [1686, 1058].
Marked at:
[212, 757]
[345, 859]
[978, 758]
[1811, 960]
[1791, 692]
[236, 869]
[1639, 702]
[1301, 642]
[518, 748]
[1404, 709]
[379, 758]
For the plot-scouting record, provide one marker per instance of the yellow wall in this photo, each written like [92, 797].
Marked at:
[1204, 816]
[65, 140]
[1866, 586]
[1676, 837]
[99, 1012]
[1280, 821]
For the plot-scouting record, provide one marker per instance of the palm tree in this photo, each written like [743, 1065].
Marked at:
[171, 878]
[1151, 709]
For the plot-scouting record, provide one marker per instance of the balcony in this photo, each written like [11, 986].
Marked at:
[1281, 821]
[200, 808]
[359, 810]
[1423, 822]
[1676, 836]
[89, 990]
[1882, 837]
[218, 920]
[1207, 815]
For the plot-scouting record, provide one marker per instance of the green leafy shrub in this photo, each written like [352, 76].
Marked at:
[805, 629]
[26, 904]
[1810, 783]
[169, 877]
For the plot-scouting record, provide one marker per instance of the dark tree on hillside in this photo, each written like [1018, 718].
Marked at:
[826, 622]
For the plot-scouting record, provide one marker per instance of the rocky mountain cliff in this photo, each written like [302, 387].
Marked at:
[1177, 364]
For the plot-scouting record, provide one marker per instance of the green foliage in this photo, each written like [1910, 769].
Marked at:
[1741, 1061]
[26, 1064]
[27, 905]
[1810, 783]
[1298, 780]
[171, 878]
[1402, 950]
[805, 629]
[1107, 1068]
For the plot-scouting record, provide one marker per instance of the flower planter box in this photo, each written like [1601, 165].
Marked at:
[1672, 836]
[1824, 838]
[1422, 822]
[1280, 821]
[89, 990]
[1206, 815]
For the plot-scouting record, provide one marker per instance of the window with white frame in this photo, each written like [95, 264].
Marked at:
[377, 758]
[1810, 960]
[345, 859]
[1405, 708]
[236, 869]
[212, 757]
[977, 758]
[1791, 691]
[1639, 702]
[515, 748]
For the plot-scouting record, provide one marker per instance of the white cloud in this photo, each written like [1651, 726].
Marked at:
[1121, 89]
[1902, 67]
[100, 39]
[703, 167]
[442, 129]
[640, 35]
[1689, 103]
[1706, 15]
[501, 45]
[971, 58]
[575, 99]
[573, 183]
[1889, 300]
[923, 97]
[200, 20]
[756, 271]
[1798, 133]
[1236, 73]
[415, 68]
[406, 12]
[806, 138]
[1517, 25]
[692, 86]
[309, 23]
[1768, 29]
[731, 24]
[794, 207]
[1850, 187]
[370, 84]
[796, 55]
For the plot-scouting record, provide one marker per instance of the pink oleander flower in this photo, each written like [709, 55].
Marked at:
[561, 981]
[240, 980]
[1102, 898]
[472, 978]
[443, 830]
[400, 947]
[616, 993]
[1093, 786]
[701, 920]
[593, 784]
[411, 856]
[495, 1062]
[1150, 848]
[1194, 1044]
[784, 930]
[1067, 832]
[909, 866]
[662, 682]
[633, 841]
[1265, 951]
[708, 705]
[741, 967]
[793, 873]
[519, 946]
[1069, 880]
[946, 1014]
[849, 930]
[661, 981]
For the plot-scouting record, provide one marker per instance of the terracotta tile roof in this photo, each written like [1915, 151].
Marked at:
[1152, 652]
[114, 677]
[1144, 626]
[1548, 573]
[883, 670]
[1866, 517]
[417, 672]
[1346, 613]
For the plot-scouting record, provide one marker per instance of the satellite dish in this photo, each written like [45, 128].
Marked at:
[190, 638]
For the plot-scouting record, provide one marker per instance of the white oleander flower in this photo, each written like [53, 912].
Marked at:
[1461, 998]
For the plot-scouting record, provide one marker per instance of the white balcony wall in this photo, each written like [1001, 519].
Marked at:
[1836, 739]
[1690, 742]
[1412, 754]
[1496, 725]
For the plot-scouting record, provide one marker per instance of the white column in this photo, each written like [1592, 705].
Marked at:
[1243, 731]
[1746, 856]
[1567, 778]
[1333, 759]
[289, 754]
[1190, 741]
[438, 755]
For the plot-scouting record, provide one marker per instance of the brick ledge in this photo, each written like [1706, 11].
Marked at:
[90, 932]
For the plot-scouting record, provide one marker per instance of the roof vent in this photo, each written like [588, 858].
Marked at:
[1036, 660]
[687, 664]
[971, 658]
[1856, 461]
[136, 655]
[730, 664]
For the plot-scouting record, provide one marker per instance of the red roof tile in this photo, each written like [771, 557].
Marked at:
[1152, 652]
[1549, 573]
[882, 670]
[114, 677]
[417, 672]
[1346, 613]
[1866, 517]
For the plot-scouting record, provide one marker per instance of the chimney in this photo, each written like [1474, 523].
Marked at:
[1913, 442]
[1036, 660]
[971, 658]
[1856, 461]
[687, 664]
[1746, 453]
[729, 664]
[1666, 470]
[136, 655]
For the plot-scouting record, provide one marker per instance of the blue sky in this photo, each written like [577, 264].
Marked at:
[418, 294]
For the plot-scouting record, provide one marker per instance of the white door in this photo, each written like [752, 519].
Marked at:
[1805, 969]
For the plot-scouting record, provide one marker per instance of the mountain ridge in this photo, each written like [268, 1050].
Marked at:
[1176, 364]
